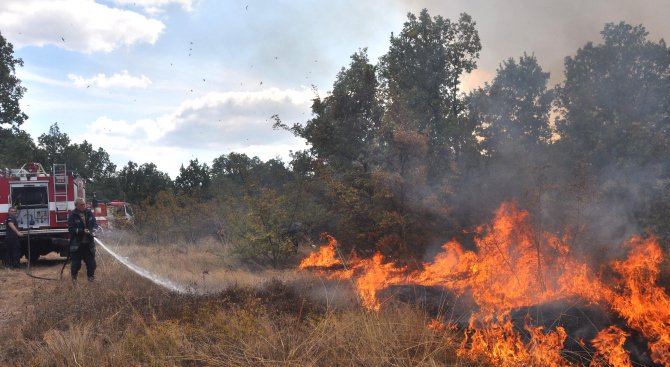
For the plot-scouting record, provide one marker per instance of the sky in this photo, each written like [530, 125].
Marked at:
[169, 81]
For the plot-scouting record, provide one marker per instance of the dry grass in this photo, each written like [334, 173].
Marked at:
[204, 267]
[236, 318]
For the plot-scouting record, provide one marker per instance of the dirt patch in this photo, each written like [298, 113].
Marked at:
[18, 286]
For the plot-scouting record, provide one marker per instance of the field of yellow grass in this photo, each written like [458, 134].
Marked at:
[230, 316]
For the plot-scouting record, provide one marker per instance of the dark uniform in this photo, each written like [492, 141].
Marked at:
[13, 256]
[296, 235]
[82, 245]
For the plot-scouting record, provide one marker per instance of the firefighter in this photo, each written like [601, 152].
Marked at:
[12, 234]
[81, 225]
[296, 235]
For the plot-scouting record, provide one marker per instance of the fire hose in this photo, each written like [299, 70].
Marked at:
[124, 261]
[67, 259]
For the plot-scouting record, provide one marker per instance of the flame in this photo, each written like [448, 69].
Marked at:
[502, 345]
[515, 265]
[609, 343]
[437, 325]
[637, 297]
[324, 258]
[376, 276]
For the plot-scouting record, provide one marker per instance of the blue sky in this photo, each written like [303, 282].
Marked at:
[166, 81]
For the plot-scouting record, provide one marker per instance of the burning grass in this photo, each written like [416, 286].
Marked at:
[516, 267]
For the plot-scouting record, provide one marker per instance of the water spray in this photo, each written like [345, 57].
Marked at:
[143, 272]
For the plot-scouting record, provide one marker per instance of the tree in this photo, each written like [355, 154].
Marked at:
[17, 148]
[95, 166]
[614, 120]
[193, 180]
[422, 72]
[10, 86]
[513, 111]
[615, 105]
[139, 183]
[346, 122]
[52, 146]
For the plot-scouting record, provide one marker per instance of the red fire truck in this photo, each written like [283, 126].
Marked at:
[111, 215]
[43, 202]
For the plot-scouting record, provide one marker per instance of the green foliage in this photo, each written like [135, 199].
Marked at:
[56, 148]
[267, 220]
[175, 217]
[52, 146]
[193, 180]
[615, 102]
[136, 184]
[260, 200]
[17, 148]
[421, 73]
[513, 111]
[10, 86]
[346, 123]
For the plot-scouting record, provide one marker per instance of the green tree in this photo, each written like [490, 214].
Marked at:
[614, 103]
[194, 179]
[10, 85]
[344, 138]
[52, 146]
[17, 148]
[614, 110]
[95, 166]
[422, 72]
[513, 111]
[139, 183]
[346, 122]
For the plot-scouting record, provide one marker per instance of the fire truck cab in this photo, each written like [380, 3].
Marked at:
[43, 203]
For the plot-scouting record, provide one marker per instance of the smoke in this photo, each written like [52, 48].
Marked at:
[550, 30]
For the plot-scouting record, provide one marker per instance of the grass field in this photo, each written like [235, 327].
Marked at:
[230, 317]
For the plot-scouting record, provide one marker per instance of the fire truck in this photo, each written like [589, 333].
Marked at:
[119, 214]
[43, 201]
[112, 215]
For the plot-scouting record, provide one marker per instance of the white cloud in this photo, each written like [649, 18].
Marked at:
[206, 127]
[153, 6]
[122, 80]
[77, 25]
[145, 130]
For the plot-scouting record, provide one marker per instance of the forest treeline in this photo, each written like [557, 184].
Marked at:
[402, 160]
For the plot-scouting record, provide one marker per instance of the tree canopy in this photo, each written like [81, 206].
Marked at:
[10, 85]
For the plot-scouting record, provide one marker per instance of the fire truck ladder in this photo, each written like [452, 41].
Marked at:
[60, 191]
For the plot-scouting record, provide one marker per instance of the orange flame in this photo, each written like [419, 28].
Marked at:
[637, 297]
[324, 258]
[514, 266]
[609, 343]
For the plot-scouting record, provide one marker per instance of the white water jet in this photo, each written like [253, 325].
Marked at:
[143, 272]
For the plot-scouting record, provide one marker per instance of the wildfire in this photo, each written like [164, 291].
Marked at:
[325, 258]
[516, 266]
